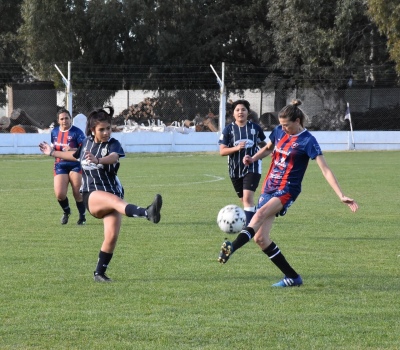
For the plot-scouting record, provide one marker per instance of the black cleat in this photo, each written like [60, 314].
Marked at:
[226, 252]
[64, 219]
[153, 210]
[81, 221]
[101, 277]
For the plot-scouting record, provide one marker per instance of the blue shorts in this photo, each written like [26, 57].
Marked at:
[285, 197]
[66, 168]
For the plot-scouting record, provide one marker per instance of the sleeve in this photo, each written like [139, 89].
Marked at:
[261, 135]
[272, 135]
[313, 148]
[115, 146]
[53, 136]
[80, 137]
[77, 154]
[224, 138]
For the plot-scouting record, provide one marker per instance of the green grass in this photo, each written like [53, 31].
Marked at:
[169, 292]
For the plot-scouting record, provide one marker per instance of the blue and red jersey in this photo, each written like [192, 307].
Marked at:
[72, 137]
[289, 161]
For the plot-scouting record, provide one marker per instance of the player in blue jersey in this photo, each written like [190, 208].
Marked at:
[102, 191]
[238, 139]
[66, 137]
[292, 146]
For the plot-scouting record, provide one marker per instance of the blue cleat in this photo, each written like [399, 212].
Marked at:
[289, 282]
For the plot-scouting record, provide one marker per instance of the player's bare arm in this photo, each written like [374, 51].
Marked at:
[46, 149]
[262, 153]
[331, 179]
[226, 151]
[112, 158]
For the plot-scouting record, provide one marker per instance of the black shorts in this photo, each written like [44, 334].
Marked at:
[248, 182]
[85, 196]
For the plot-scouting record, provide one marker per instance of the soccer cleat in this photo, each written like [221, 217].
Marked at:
[289, 282]
[226, 252]
[101, 277]
[153, 210]
[81, 221]
[64, 219]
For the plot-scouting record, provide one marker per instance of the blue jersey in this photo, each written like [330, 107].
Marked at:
[73, 137]
[289, 161]
[100, 177]
[231, 136]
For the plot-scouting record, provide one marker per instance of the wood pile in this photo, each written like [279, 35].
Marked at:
[20, 122]
[148, 112]
[142, 112]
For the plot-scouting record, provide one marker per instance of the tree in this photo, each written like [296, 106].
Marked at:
[10, 53]
[321, 44]
[386, 15]
[51, 32]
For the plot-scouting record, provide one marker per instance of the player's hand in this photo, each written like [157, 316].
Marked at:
[351, 203]
[241, 145]
[247, 160]
[45, 148]
[91, 158]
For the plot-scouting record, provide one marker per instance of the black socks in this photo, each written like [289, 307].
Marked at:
[243, 237]
[102, 263]
[64, 204]
[81, 209]
[132, 210]
[275, 255]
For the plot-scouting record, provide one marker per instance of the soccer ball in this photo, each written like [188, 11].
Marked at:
[231, 219]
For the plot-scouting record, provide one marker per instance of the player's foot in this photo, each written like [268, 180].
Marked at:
[101, 277]
[81, 221]
[289, 282]
[226, 252]
[153, 210]
[64, 219]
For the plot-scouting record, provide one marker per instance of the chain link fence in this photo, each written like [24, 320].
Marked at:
[34, 110]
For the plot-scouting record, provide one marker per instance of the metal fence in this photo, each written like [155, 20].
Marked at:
[371, 108]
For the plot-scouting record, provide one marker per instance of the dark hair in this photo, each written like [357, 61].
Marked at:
[98, 116]
[241, 102]
[63, 110]
[292, 112]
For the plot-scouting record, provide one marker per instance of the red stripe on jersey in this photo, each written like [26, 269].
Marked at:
[62, 139]
[289, 164]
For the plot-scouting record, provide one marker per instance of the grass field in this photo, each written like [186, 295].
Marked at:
[169, 292]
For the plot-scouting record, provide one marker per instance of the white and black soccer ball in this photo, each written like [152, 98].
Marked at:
[231, 219]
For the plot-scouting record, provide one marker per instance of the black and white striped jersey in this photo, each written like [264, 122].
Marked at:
[100, 177]
[231, 136]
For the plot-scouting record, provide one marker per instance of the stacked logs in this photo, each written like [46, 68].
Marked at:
[19, 122]
[148, 111]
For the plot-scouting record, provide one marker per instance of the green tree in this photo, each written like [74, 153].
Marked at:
[10, 53]
[386, 15]
[321, 44]
[51, 32]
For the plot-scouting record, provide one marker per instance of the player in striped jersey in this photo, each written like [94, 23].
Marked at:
[102, 191]
[238, 139]
[66, 137]
[292, 147]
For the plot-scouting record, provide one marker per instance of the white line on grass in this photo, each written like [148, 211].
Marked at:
[214, 178]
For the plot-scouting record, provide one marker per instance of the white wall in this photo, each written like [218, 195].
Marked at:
[154, 142]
